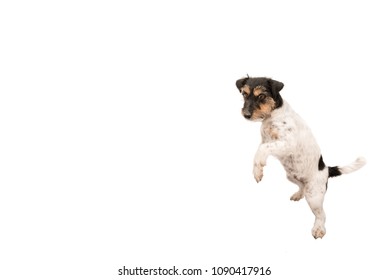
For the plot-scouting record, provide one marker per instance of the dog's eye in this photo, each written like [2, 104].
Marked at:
[262, 96]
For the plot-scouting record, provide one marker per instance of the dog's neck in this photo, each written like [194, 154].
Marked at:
[280, 111]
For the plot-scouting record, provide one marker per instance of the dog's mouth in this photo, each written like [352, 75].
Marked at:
[256, 119]
[256, 116]
[247, 116]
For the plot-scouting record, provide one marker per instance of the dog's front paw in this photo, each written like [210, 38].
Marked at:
[258, 172]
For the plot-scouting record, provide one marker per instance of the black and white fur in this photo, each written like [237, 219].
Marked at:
[286, 136]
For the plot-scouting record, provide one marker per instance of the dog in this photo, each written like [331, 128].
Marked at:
[286, 136]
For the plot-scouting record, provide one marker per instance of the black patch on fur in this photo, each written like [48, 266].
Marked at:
[333, 171]
[321, 163]
[275, 88]
[241, 82]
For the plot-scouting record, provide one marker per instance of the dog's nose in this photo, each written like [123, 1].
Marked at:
[247, 115]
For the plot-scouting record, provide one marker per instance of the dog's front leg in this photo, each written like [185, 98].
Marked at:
[263, 152]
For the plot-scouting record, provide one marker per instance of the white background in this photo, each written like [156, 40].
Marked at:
[122, 142]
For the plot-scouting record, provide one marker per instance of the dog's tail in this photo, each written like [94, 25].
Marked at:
[334, 171]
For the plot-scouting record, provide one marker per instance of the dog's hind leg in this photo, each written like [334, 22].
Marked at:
[314, 194]
[300, 193]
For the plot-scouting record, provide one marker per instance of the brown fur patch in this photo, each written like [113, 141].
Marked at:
[265, 109]
[246, 89]
[258, 90]
[272, 132]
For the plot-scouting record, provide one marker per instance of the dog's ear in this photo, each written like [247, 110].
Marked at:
[276, 87]
[241, 82]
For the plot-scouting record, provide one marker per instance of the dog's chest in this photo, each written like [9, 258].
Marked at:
[283, 133]
[273, 130]
[293, 144]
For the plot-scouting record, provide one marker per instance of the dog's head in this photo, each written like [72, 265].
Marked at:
[261, 97]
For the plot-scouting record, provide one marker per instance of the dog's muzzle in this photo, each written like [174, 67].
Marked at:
[247, 111]
[246, 115]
